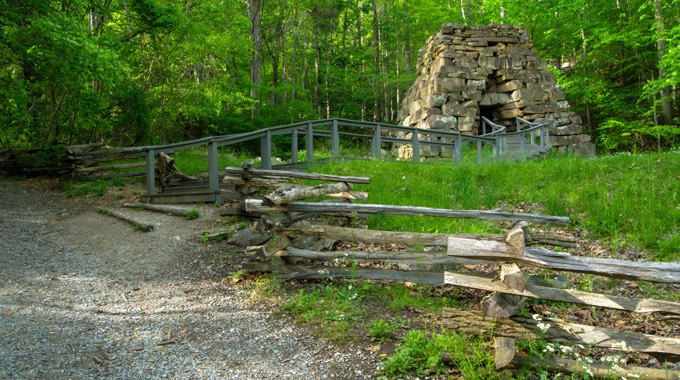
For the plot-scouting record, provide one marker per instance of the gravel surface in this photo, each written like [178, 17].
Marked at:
[83, 295]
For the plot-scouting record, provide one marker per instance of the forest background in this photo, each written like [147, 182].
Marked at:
[160, 71]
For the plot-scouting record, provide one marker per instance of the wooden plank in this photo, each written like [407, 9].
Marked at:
[114, 175]
[596, 370]
[128, 219]
[492, 251]
[96, 169]
[292, 174]
[157, 208]
[413, 258]
[525, 327]
[180, 198]
[295, 272]
[287, 195]
[323, 208]
[411, 238]
[644, 306]
[78, 160]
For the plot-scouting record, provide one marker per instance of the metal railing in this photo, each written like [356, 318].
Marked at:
[497, 138]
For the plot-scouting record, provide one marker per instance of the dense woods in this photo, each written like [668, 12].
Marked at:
[158, 71]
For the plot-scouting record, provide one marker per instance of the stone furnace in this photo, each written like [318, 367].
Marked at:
[493, 71]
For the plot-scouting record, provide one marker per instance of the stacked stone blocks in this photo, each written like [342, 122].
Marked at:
[463, 70]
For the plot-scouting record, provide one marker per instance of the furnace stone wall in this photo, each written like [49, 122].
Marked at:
[488, 70]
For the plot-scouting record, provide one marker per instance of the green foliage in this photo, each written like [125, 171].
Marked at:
[380, 330]
[151, 71]
[421, 351]
[616, 135]
[193, 214]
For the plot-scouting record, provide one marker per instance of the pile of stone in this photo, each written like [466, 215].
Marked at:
[468, 72]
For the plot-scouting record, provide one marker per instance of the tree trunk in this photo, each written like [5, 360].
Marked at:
[661, 48]
[254, 8]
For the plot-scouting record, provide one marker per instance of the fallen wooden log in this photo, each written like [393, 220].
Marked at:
[301, 175]
[568, 366]
[297, 272]
[111, 175]
[410, 238]
[157, 208]
[271, 183]
[494, 252]
[410, 258]
[644, 306]
[105, 168]
[287, 195]
[323, 208]
[142, 225]
[525, 327]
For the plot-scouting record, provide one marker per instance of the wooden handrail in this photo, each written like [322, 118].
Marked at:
[498, 138]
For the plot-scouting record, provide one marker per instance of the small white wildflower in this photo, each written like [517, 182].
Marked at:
[588, 371]
[634, 375]
[537, 317]
[543, 326]
[589, 360]
[549, 347]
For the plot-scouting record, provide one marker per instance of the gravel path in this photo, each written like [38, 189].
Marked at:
[84, 296]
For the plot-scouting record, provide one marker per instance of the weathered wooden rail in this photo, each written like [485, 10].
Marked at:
[300, 249]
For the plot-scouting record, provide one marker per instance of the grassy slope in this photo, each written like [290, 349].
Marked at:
[627, 199]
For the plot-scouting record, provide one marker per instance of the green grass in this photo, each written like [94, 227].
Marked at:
[629, 200]
[420, 352]
[193, 214]
[96, 188]
[195, 160]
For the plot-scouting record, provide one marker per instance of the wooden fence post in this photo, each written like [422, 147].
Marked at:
[150, 173]
[266, 150]
[213, 169]
[416, 146]
[294, 147]
[499, 305]
[335, 139]
[458, 149]
[479, 152]
[310, 143]
[376, 142]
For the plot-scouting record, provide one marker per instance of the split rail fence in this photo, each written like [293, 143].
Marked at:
[300, 249]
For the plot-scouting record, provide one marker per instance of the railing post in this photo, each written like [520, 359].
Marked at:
[213, 174]
[376, 141]
[521, 144]
[416, 146]
[547, 135]
[541, 136]
[335, 139]
[294, 147]
[266, 150]
[519, 124]
[457, 149]
[495, 147]
[533, 137]
[310, 143]
[150, 173]
[479, 152]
